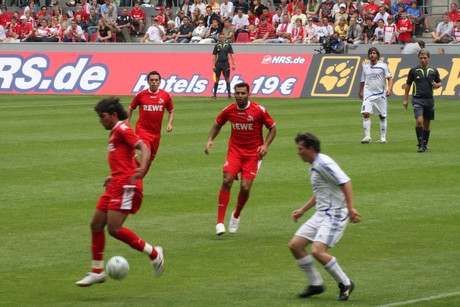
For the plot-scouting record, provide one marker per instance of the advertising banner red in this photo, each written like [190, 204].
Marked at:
[183, 74]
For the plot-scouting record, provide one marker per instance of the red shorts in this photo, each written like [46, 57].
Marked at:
[127, 198]
[152, 141]
[247, 166]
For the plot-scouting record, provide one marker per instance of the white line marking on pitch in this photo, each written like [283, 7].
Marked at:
[430, 298]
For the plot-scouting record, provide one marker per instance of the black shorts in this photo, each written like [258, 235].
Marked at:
[423, 107]
[222, 68]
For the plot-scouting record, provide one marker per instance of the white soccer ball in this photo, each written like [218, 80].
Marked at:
[117, 267]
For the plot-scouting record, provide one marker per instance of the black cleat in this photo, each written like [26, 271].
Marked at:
[420, 148]
[213, 97]
[425, 148]
[345, 291]
[311, 290]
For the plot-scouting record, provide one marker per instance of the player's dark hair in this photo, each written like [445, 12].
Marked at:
[153, 72]
[308, 140]
[111, 105]
[372, 49]
[424, 51]
[242, 84]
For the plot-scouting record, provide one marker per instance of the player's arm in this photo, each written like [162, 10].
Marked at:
[360, 90]
[262, 150]
[212, 135]
[410, 79]
[130, 113]
[437, 81]
[296, 214]
[214, 61]
[143, 162]
[233, 61]
[355, 217]
[169, 126]
[389, 86]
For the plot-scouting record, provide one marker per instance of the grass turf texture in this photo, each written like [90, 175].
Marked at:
[53, 163]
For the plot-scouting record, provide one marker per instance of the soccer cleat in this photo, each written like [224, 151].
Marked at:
[420, 148]
[312, 290]
[383, 140]
[425, 148]
[233, 226]
[366, 140]
[159, 262]
[229, 97]
[345, 291]
[213, 97]
[91, 279]
[220, 229]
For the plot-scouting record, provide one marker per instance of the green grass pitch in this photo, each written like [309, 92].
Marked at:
[53, 162]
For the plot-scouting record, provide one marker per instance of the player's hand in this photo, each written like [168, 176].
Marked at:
[388, 92]
[262, 151]
[296, 214]
[139, 173]
[233, 66]
[169, 128]
[360, 95]
[405, 103]
[355, 217]
[209, 145]
[107, 181]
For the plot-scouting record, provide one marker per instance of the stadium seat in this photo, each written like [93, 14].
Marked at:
[93, 37]
[242, 38]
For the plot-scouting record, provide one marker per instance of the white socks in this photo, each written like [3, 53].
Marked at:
[383, 128]
[367, 127]
[336, 272]
[307, 266]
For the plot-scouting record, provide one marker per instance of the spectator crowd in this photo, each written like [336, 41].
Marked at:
[332, 23]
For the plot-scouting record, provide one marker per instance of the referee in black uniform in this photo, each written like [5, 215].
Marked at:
[220, 63]
[424, 78]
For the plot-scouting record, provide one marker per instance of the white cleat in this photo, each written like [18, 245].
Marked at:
[366, 140]
[220, 229]
[159, 262]
[233, 226]
[383, 140]
[91, 279]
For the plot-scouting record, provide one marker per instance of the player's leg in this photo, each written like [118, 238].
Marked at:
[366, 112]
[428, 116]
[382, 110]
[217, 73]
[297, 246]
[227, 79]
[418, 114]
[224, 199]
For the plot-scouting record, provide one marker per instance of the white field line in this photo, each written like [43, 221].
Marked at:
[429, 298]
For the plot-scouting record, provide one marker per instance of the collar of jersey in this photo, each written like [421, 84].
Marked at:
[249, 103]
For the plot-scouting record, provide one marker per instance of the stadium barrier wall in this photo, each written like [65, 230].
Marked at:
[121, 69]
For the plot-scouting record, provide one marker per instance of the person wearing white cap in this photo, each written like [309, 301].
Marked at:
[26, 30]
[154, 33]
[341, 13]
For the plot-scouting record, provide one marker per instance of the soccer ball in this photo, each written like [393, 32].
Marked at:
[117, 267]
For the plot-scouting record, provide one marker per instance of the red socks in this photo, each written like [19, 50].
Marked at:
[130, 238]
[97, 249]
[224, 198]
[240, 205]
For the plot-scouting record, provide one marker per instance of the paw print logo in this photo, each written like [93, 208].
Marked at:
[336, 76]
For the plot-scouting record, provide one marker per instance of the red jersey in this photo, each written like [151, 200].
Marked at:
[453, 16]
[293, 5]
[121, 153]
[24, 30]
[405, 25]
[14, 30]
[84, 15]
[374, 7]
[5, 20]
[247, 126]
[456, 33]
[151, 110]
[137, 13]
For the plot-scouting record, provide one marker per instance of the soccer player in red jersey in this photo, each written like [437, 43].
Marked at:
[152, 104]
[246, 149]
[123, 194]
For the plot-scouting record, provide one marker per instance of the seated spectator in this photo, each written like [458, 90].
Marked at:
[453, 13]
[379, 33]
[443, 34]
[277, 18]
[298, 14]
[310, 31]
[82, 12]
[253, 19]
[5, 18]
[197, 16]
[456, 33]
[81, 23]
[154, 33]
[371, 7]
[138, 16]
[199, 32]
[12, 36]
[336, 8]
[161, 15]
[55, 31]
[269, 15]
[258, 7]
[389, 31]
[2, 33]
[104, 32]
[381, 14]
[184, 34]
[228, 31]
[297, 33]
[65, 19]
[170, 32]
[311, 10]
[241, 22]
[123, 26]
[41, 32]
[168, 14]
[74, 33]
[241, 4]
[26, 31]
[283, 31]
[398, 15]
[265, 31]
[209, 17]
[30, 19]
[97, 8]
[226, 10]
[413, 48]
[215, 7]
[105, 9]
[57, 13]
[351, 8]
[341, 29]
[368, 31]
[324, 30]
[324, 10]
[111, 18]
[198, 4]
[44, 15]
[354, 33]
[179, 17]
[212, 34]
[253, 31]
[291, 8]
[341, 14]
[404, 29]
[396, 7]
[358, 18]
[186, 8]
[93, 22]
[416, 17]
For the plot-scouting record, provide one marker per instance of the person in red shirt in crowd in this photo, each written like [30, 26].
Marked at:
[26, 31]
[138, 16]
[5, 18]
[161, 14]
[265, 31]
[292, 6]
[453, 13]
[81, 11]
[268, 14]
[246, 150]
[152, 103]
[456, 33]
[13, 31]
[372, 8]
[252, 18]
[123, 194]
[404, 28]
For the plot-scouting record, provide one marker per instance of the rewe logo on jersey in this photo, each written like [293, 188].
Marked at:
[336, 76]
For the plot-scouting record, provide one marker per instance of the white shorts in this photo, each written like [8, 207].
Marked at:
[378, 105]
[324, 228]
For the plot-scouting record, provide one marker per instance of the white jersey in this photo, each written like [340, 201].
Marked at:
[327, 178]
[154, 33]
[375, 80]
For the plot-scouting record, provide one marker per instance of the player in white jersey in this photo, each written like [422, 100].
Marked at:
[374, 91]
[333, 198]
